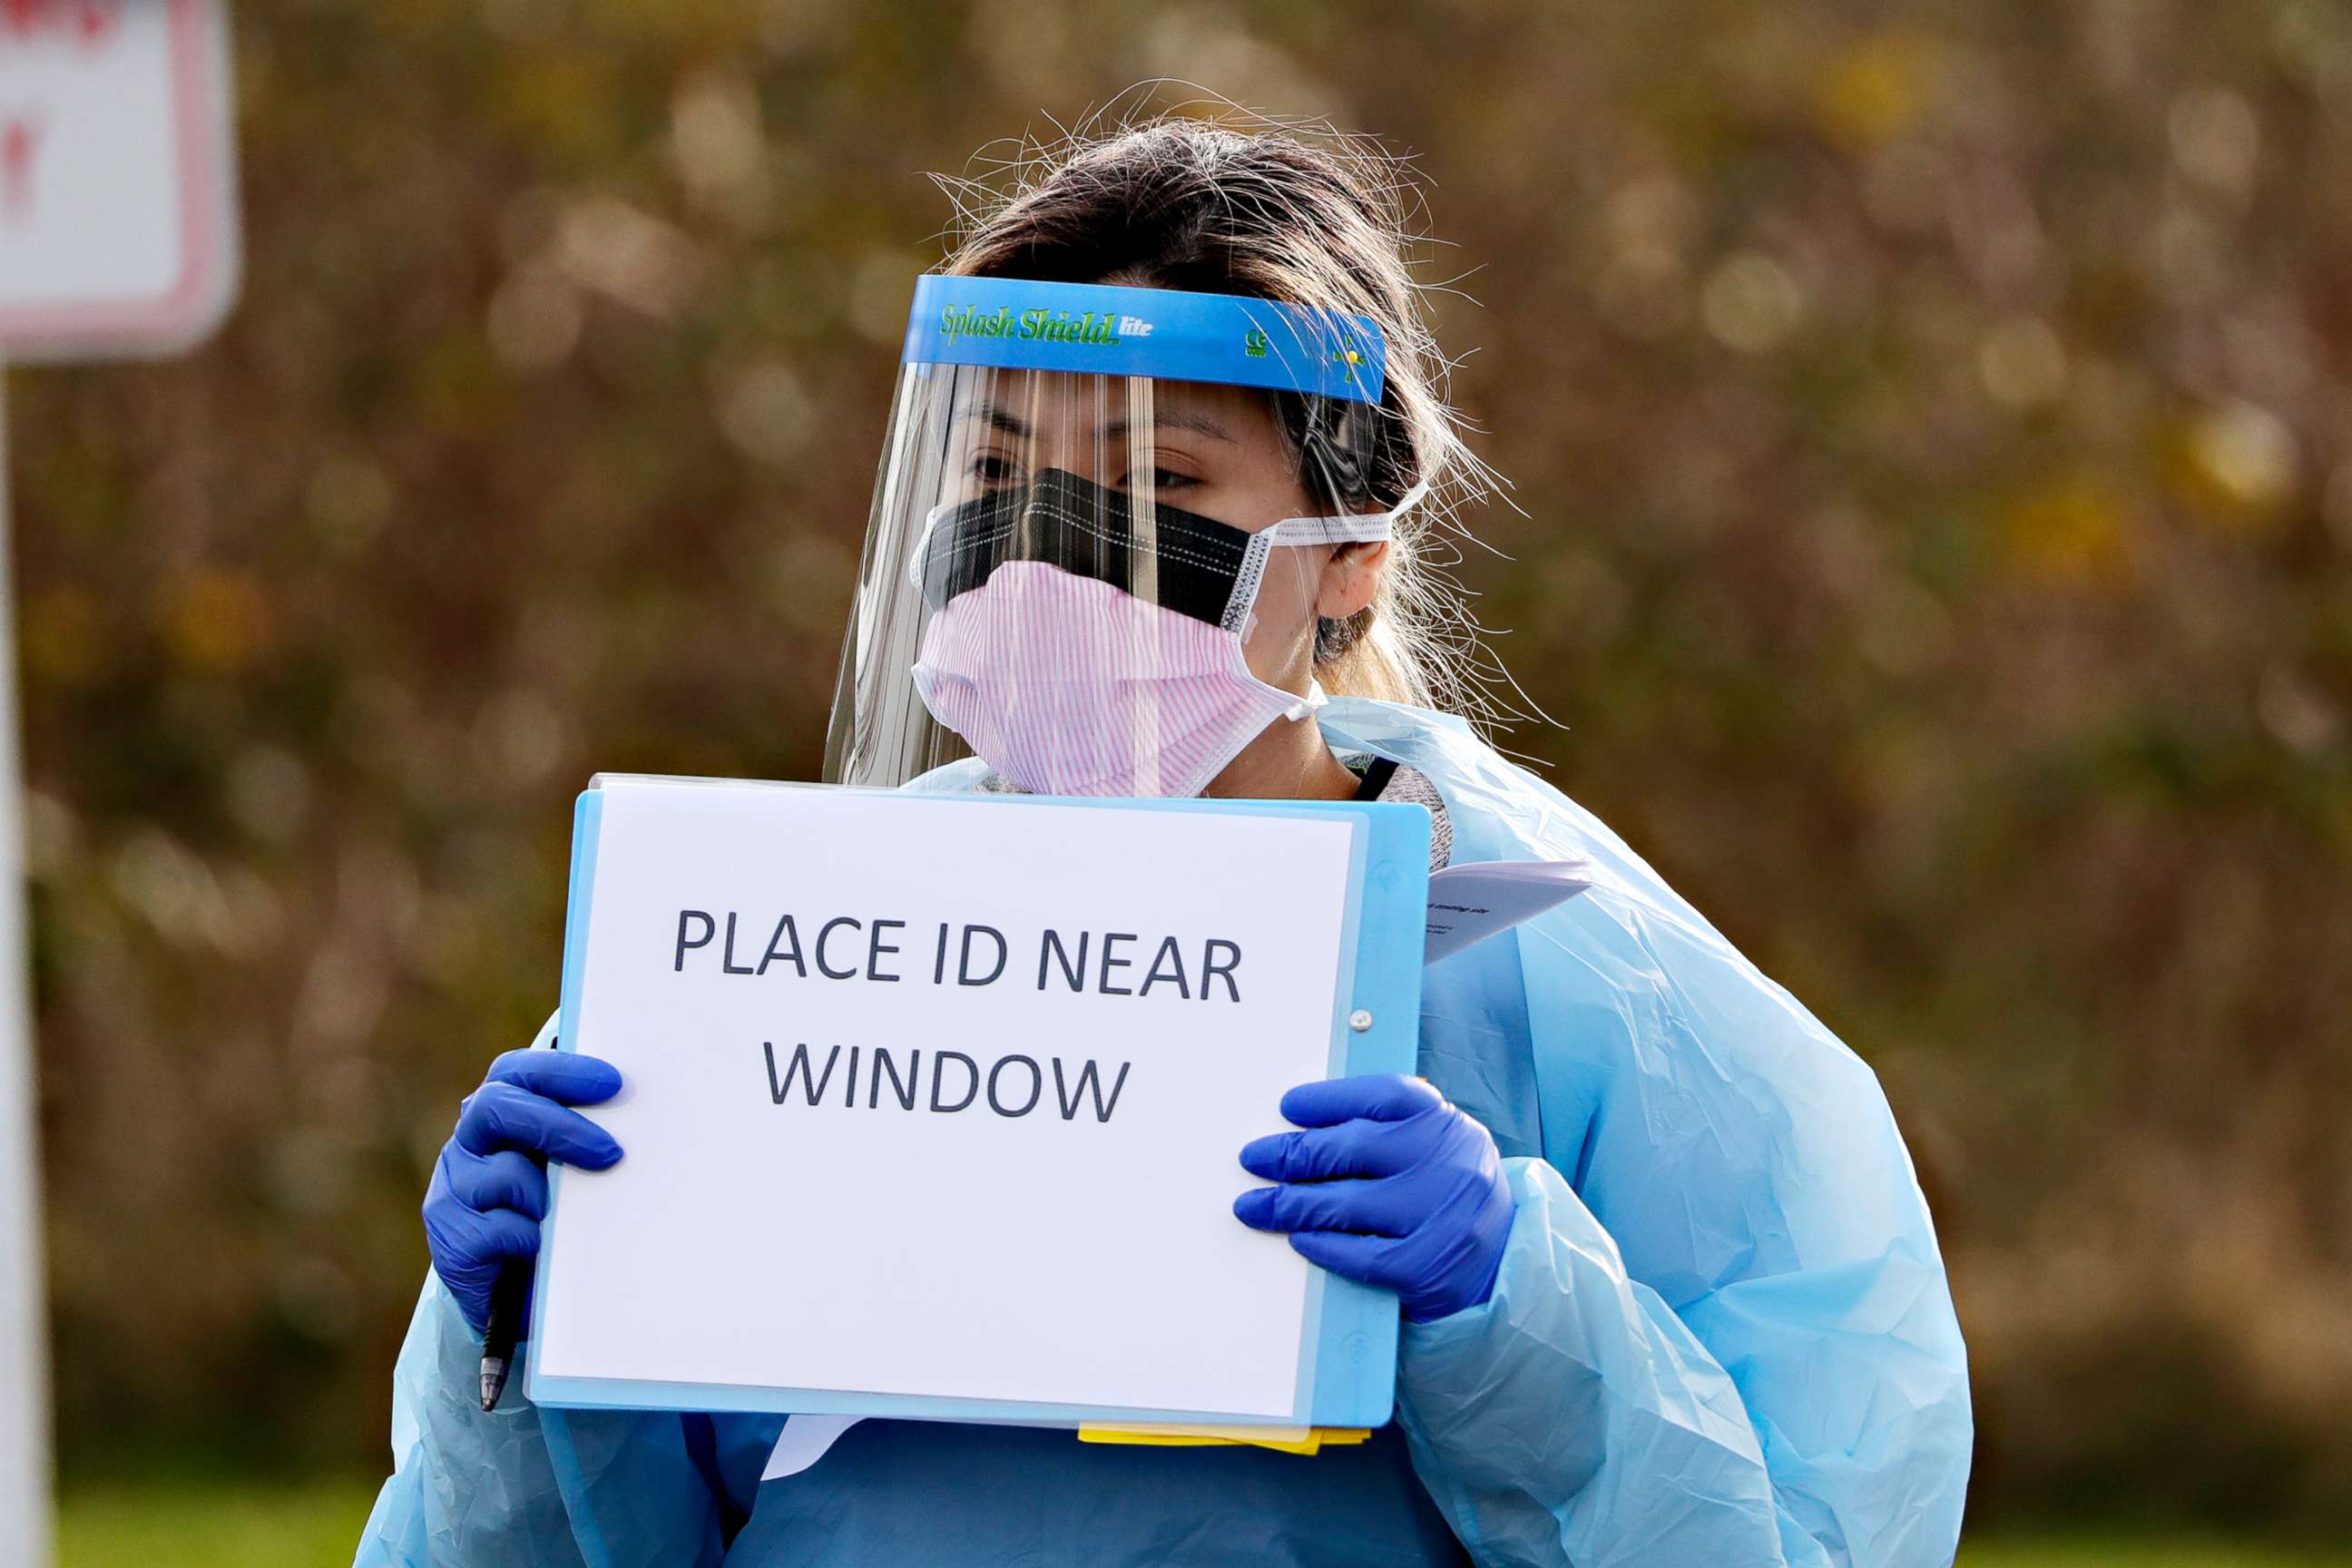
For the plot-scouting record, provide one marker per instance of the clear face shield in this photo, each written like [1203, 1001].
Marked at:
[1100, 534]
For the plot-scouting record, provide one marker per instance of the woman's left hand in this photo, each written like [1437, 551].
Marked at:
[1389, 1186]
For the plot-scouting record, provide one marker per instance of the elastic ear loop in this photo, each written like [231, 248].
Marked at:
[1348, 528]
[923, 544]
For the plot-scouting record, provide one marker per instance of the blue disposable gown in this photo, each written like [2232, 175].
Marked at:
[1721, 1333]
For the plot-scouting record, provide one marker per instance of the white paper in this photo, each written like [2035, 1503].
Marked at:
[967, 1253]
[804, 1440]
[1470, 902]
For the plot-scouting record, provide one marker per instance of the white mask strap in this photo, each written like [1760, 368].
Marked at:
[1349, 528]
[1353, 528]
[916, 557]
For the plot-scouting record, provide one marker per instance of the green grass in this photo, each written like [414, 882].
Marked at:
[197, 1524]
[211, 1524]
[2139, 1552]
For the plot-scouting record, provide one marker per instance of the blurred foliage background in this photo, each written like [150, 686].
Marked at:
[1933, 428]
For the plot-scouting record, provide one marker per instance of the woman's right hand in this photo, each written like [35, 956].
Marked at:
[490, 1186]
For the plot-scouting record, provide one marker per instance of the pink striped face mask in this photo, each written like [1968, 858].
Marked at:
[1081, 650]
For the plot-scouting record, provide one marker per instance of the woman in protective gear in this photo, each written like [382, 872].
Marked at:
[1167, 449]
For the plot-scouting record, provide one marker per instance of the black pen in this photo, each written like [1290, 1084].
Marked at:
[504, 1329]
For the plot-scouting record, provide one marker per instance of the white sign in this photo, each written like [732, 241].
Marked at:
[943, 1098]
[117, 233]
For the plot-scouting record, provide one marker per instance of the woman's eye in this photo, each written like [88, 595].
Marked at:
[1164, 479]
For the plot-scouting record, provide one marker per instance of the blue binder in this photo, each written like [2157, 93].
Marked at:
[1347, 1348]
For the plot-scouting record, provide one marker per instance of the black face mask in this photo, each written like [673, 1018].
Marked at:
[1087, 530]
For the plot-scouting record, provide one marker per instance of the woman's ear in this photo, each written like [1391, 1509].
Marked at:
[1350, 579]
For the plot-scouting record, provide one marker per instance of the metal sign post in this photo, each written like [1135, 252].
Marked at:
[24, 1359]
[118, 239]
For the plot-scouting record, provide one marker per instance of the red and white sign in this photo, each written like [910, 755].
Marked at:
[117, 230]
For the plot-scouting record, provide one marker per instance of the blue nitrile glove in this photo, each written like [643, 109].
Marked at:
[1389, 1186]
[490, 1186]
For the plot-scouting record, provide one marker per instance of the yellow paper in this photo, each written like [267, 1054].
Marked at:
[1282, 1439]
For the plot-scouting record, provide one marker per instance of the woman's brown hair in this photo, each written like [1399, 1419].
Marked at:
[1311, 219]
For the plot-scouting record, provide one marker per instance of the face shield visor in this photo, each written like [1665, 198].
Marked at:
[1100, 532]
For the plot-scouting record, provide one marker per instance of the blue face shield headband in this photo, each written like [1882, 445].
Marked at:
[1164, 334]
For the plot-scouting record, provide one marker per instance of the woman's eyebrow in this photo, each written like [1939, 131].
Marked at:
[1176, 419]
[1011, 424]
[998, 418]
